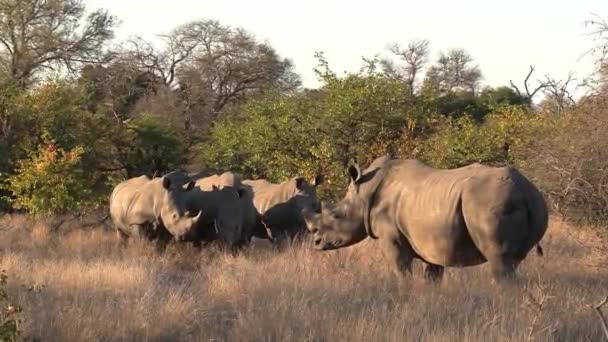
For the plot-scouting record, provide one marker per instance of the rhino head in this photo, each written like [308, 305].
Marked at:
[173, 212]
[305, 199]
[341, 225]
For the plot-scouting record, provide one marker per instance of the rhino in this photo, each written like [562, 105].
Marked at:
[445, 217]
[248, 212]
[280, 207]
[153, 208]
[226, 179]
[223, 219]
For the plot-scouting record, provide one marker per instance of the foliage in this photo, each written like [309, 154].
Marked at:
[502, 139]
[569, 161]
[147, 145]
[215, 97]
[52, 181]
[40, 35]
[279, 136]
[9, 314]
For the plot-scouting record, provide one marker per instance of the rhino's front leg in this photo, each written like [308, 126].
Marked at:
[433, 273]
[122, 238]
[398, 252]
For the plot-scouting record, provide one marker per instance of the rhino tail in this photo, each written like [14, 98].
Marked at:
[537, 219]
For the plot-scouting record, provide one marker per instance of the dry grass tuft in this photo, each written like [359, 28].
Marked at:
[87, 288]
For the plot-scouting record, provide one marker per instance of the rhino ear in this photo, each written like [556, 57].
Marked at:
[319, 180]
[354, 170]
[300, 182]
[189, 186]
[166, 183]
[241, 192]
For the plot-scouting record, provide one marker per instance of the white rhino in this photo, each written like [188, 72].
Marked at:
[248, 214]
[280, 207]
[153, 208]
[226, 179]
[220, 198]
[446, 218]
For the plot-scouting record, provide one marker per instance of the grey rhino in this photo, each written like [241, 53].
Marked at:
[223, 219]
[444, 217]
[231, 180]
[280, 207]
[152, 208]
[226, 179]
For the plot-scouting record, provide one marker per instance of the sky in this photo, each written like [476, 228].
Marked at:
[503, 37]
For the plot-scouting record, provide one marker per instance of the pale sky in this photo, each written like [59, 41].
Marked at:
[504, 38]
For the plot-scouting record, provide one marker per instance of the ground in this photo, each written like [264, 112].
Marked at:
[80, 286]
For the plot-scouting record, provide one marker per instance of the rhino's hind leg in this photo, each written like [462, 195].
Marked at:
[503, 268]
[433, 273]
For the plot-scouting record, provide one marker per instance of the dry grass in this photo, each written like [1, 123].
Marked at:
[87, 289]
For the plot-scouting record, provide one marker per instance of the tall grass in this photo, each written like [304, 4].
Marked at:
[81, 286]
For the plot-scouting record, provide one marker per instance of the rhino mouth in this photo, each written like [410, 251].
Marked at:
[326, 245]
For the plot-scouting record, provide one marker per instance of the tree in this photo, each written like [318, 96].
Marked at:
[454, 71]
[529, 95]
[557, 95]
[115, 89]
[599, 81]
[226, 66]
[43, 35]
[415, 56]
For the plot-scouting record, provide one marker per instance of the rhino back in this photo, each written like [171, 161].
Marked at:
[267, 196]
[226, 179]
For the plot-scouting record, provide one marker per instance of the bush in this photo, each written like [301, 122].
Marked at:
[52, 181]
[570, 162]
[360, 115]
[504, 138]
[145, 144]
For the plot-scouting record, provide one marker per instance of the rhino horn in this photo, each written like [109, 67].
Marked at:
[198, 216]
[216, 226]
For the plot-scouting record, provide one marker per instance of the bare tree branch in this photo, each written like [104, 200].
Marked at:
[529, 95]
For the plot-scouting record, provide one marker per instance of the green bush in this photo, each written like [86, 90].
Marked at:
[502, 139]
[52, 181]
[361, 115]
[146, 144]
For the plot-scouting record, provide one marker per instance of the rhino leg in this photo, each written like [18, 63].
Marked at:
[122, 238]
[161, 245]
[163, 237]
[433, 273]
[399, 252]
[503, 268]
